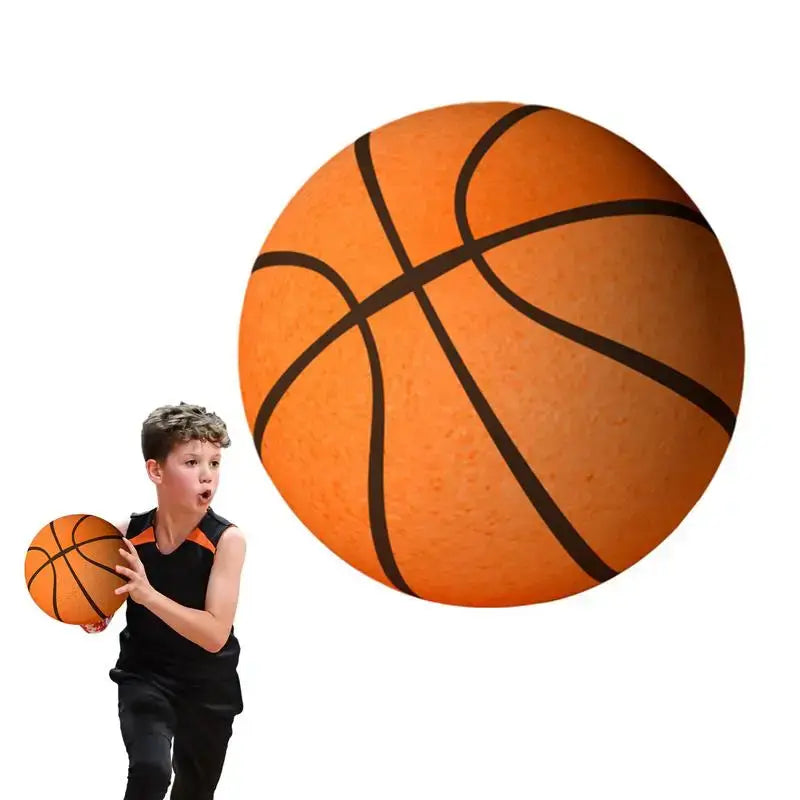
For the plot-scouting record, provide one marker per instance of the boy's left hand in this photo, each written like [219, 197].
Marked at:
[138, 587]
[96, 627]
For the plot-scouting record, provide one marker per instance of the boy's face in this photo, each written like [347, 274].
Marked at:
[190, 475]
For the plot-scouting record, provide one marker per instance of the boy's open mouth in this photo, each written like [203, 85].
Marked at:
[206, 494]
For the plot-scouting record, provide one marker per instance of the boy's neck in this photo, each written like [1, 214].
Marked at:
[174, 526]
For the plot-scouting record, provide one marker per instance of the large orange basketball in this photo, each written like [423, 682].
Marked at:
[491, 354]
[69, 569]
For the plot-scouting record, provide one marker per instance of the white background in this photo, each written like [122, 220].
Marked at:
[146, 151]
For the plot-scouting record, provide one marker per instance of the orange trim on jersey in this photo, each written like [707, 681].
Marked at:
[198, 537]
[147, 535]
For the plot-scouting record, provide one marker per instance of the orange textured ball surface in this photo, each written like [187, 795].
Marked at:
[69, 569]
[491, 354]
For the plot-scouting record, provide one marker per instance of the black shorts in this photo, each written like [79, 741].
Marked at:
[158, 715]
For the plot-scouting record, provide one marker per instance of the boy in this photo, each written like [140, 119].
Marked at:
[176, 672]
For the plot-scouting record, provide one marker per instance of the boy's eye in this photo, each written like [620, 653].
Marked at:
[191, 461]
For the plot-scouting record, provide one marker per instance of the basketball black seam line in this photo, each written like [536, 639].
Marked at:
[427, 271]
[53, 567]
[658, 371]
[375, 494]
[86, 594]
[69, 566]
[36, 549]
[77, 546]
[565, 533]
[60, 553]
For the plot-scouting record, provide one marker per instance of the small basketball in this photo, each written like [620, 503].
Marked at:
[491, 354]
[69, 569]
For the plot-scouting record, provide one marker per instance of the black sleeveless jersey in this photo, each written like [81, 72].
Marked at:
[149, 644]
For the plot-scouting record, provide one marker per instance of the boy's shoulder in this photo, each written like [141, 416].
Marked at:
[213, 525]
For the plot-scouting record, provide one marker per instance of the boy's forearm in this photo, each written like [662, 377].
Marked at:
[197, 625]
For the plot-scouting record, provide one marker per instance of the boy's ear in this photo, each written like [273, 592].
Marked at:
[154, 470]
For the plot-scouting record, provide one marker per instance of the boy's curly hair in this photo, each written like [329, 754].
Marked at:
[168, 425]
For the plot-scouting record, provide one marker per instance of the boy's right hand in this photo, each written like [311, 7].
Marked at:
[96, 627]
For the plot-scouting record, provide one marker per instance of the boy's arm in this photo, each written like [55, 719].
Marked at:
[102, 624]
[209, 627]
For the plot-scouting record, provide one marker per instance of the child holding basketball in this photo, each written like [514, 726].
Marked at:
[176, 671]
